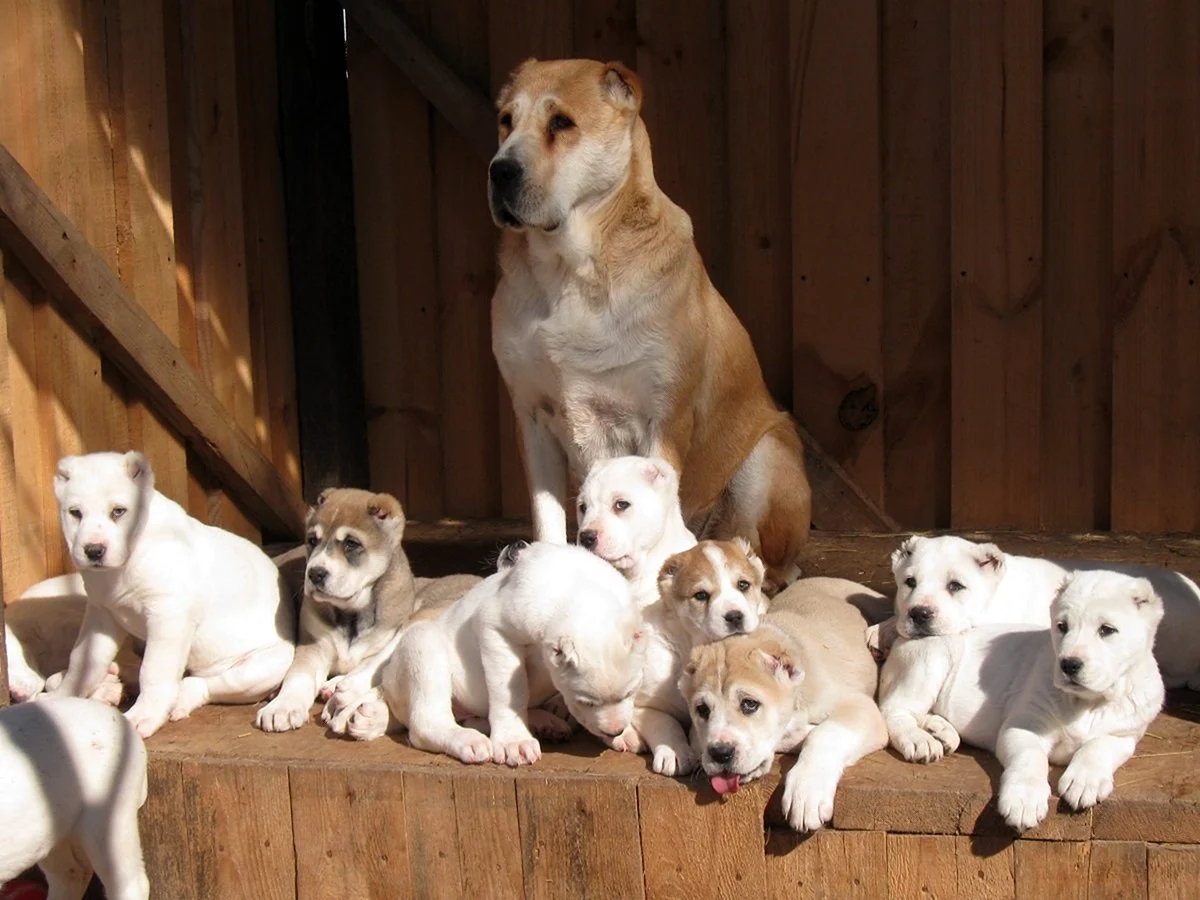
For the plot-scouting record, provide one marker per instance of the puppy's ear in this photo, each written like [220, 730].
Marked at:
[323, 497]
[660, 474]
[904, 552]
[622, 86]
[751, 557]
[1064, 584]
[387, 511]
[66, 466]
[990, 558]
[778, 662]
[1146, 600]
[666, 575]
[563, 654]
[505, 93]
[637, 640]
[137, 467]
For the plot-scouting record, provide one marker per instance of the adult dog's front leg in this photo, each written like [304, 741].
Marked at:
[546, 469]
[508, 700]
[167, 645]
[96, 648]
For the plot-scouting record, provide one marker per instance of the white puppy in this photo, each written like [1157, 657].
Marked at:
[947, 585]
[629, 515]
[1080, 694]
[74, 779]
[554, 618]
[217, 621]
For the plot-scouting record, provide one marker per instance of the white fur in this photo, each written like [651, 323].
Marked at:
[217, 622]
[1003, 688]
[74, 777]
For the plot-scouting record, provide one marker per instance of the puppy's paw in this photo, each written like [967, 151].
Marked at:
[557, 706]
[282, 714]
[875, 644]
[344, 703]
[674, 760]
[1083, 786]
[1023, 802]
[943, 731]
[628, 741]
[52, 682]
[546, 726]
[25, 685]
[471, 746]
[110, 691]
[808, 793]
[919, 746]
[328, 688]
[367, 721]
[145, 721]
[193, 694]
[518, 751]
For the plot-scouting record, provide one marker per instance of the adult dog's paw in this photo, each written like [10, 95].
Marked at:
[808, 792]
[919, 746]
[1083, 785]
[1023, 802]
[943, 731]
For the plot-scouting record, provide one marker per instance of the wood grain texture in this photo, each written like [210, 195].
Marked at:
[921, 866]
[1117, 870]
[489, 834]
[830, 865]
[984, 867]
[166, 835]
[606, 30]
[435, 866]
[1171, 871]
[1060, 867]
[996, 262]
[837, 266]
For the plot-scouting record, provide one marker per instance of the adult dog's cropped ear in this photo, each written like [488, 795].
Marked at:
[622, 86]
[66, 466]
[505, 93]
[138, 468]
[387, 511]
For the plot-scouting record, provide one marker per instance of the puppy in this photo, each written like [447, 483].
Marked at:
[803, 680]
[211, 607]
[556, 619]
[607, 330]
[629, 516]
[74, 779]
[1080, 694]
[947, 585]
[358, 592]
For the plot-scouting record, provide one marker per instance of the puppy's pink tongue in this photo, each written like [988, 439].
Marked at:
[726, 784]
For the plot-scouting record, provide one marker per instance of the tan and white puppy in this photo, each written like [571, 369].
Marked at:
[607, 330]
[74, 780]
[553, 619]
[358, 593]
[217, 620]
[803, 680]
[1080, 694]
[947, 585]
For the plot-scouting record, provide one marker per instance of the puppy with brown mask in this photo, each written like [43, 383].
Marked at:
[358, 592]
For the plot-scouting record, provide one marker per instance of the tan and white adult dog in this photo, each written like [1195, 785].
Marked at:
[804, 679]
[74, 777]
[607, 330]
[1080, 694]
[218, 623]
[947, 585]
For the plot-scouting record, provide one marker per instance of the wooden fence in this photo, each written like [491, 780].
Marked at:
[964, 236]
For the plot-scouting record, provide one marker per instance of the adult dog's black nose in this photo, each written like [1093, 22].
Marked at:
[920, 615]
[317, 575]
[1070, 665]
[505, 175]
[508, 556]
[736, 620]
[721, 753]
[587, 539]
[94, 552]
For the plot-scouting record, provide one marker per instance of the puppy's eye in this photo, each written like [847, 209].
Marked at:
[312, 541]
[910, 582]
[587, 704]
[117, 512]
[620, 506]
[954, 587]
[560, 123]
[1106, 631]
[350, 545]
[506, 120]
[743, 585]
[702, 596]
[583, 509]
[1062, 627]
[703, 711]
[75, 513]
[749, 706]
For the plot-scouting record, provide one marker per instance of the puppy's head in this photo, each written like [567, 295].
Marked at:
[103, 500]
[624, 507]
[352, 537]
[566, 138]
[742, 693]
[1103, 624]
[943, 584]
[715, 589]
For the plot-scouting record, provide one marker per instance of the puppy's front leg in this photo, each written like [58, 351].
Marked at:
[673, 755]
[309, 669]
[508, 700]
[1089, 778]
[1024, 797]
[909, 685]
[96, 648]
[167, 645]
[546, 468]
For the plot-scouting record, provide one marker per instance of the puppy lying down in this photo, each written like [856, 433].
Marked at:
[1081, 694]
[74, 777]
[803, 680]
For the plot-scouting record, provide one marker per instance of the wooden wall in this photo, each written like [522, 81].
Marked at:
[964, 236]
[152, 125]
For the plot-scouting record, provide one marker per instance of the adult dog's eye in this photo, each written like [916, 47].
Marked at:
[743, 585]
[1107, 631]
[560, 123]
[702, 596]
[75, 513]
[1062, 627]
[350, 545]
[910, 582]
[620, 506]
[703, 711]
[750, 707]
[506, 120]
[312, 541]
[117, 512]
[954, 587]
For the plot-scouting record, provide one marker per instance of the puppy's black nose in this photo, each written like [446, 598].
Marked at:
[587, 539]
[508, 556]
[505, 174]
[317, 575]
[1070, 665]
[94, 552]
[735, 620]
[721, 753]
[920, 615]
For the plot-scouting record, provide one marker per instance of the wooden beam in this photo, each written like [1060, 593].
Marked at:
[838, 504]
[93, 297]
[466, 109]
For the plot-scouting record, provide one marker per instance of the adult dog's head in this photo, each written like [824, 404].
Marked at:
[352, 537]
[625, 505]
[566, 139]
[103, 501]
[1103, 626]
[944, 584]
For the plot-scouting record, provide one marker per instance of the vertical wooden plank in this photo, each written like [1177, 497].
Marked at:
[1077, 318]
[166, 841]
[1058, 866]
[397, 273]
[489, 836]
[921, 866]
[580, 838]
[435, 868]
[984, 868]
[606, 30]
[915, 88]
[241, 830]
[832, 865]
[681, 61]
[349, 834]
[1117, 870]
[837, 269]
[996, 259]
[1172, 871]
[1156, 217]
[465, 277]
[760, 275]
[685, 845]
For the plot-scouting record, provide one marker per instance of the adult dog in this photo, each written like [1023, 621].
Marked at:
[607, 330]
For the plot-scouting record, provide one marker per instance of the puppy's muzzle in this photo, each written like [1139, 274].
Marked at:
[921, 619]
[721, 754]
[735, 621]
[1071, 666]
[317, 575]
[588, 539]
[94, 552]
[508, 556]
